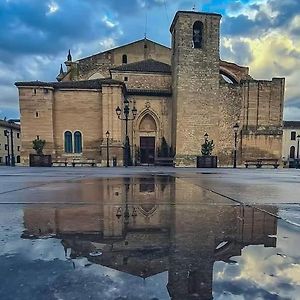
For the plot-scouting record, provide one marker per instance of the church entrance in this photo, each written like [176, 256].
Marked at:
[147, 148]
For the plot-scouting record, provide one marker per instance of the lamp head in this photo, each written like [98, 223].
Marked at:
[236, 127]
[118, 111]
[107, 134]
[206, 136]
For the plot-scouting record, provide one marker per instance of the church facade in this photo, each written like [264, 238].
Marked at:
[180, 94]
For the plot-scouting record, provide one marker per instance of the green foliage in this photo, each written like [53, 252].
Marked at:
[207, 148]
[38, 145]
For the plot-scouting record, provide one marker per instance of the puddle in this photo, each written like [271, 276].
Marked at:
[155, 237]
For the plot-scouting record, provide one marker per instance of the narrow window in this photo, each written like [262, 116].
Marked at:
[37, 114]
[6, 147]
[19, 148]
[292, 152]
[68, 142]
[197, 34]
[18, 135]
[18, 159]
[124, 59]
[293, 136]
[77, 142]
[0, 160]
[126, 78]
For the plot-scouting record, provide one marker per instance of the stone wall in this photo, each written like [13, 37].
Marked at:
[145, 81]
[36, 107]
[100, 64]
[195, 84]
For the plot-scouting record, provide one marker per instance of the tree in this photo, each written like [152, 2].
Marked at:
[207, 148]
[164, 148]
[38, 146]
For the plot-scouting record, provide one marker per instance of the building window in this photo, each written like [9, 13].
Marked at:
[198, 34]
[292, 152]
[1, 160]
[293, 136]
[18, 159]
[77, 142]
[19, 148]
[68, 142]
[126, 78]
[37, 114]
[6, 147]
[124, 59]
[18, 135]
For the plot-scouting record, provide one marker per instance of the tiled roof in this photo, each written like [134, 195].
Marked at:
[6, 124]
[145, 66]
[82, 84]
[157, 93]
[291, 124]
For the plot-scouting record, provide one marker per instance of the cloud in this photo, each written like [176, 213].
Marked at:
[36, 35]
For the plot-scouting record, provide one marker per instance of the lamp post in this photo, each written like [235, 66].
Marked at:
[107, 149]
[298, 140]
[206, 136]
[125, 117]
[6, 133]
[235, 129]
[297, 165]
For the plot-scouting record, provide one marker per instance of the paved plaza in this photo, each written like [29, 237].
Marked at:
[169, 233]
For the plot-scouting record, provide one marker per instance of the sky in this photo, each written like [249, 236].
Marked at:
[35, 36]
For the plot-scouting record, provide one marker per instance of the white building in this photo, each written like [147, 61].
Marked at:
[290, 142]
[9, 134]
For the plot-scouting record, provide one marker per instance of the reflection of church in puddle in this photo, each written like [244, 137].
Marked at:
[145, 226]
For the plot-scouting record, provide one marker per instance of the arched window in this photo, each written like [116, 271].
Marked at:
[293, 136]
[77, 142]
[68, 142]
[292, 152]
[198, 34]
[124, 59]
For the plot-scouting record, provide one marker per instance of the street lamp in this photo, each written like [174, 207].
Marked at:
[6, 133]
[126, 118]
[206, 136]
[107, 149]
[235, 129]
[298, 139]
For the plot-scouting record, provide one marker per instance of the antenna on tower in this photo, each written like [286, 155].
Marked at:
[146, 20]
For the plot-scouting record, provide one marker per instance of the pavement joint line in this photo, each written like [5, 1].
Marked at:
[250, 205]
[39, 185]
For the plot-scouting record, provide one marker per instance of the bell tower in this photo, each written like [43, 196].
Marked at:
[195, 79]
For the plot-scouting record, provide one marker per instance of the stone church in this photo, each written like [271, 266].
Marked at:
[179, 93]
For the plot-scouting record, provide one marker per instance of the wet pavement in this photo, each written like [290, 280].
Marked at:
[149, 233]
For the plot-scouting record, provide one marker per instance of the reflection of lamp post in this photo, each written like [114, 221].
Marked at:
[126, 118]
[107, 149]
[126, 211]
[235, 129]
[6, 133]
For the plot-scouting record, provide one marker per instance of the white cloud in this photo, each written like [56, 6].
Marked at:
[52, 8]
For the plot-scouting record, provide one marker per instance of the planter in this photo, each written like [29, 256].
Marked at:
[36, 160]
[207, 162]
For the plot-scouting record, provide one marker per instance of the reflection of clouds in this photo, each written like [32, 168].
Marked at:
[262, 272]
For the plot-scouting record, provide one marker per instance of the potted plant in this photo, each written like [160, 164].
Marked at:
[39, 159]
[207, 160]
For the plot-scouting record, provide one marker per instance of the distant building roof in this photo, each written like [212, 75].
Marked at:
[145, 66]
[291, 124]
[82, 84]
[6, 124]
